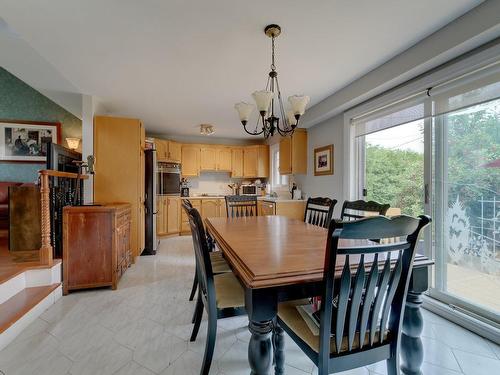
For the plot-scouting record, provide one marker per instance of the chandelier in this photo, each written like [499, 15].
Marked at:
[268, 122]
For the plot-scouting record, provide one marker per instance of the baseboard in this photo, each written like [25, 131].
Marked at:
[466, 321]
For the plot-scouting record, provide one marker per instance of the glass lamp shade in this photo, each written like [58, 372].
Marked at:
[290, 116]
[73, 143]
[299, 103]
[263, 99]
[244, 110]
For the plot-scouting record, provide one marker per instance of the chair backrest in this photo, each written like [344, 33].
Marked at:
[373, 283]
[319, 211]
[241, 205]
[353, 210]
[201, 251]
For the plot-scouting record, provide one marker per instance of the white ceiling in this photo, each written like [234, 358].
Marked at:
[179, 63]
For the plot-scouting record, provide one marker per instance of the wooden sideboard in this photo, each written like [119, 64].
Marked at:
[96, 245]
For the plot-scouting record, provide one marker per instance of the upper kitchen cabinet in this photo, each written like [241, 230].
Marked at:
[215, 158]
[174, 151]
[293, 153]
[224, 159]
[256, 161]
[168, 151]
[208, 159]
[190, 160]
[237, 162]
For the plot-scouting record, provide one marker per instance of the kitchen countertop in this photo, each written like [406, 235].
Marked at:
[260, 198]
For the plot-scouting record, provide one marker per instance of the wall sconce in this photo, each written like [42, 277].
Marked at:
[73, 143]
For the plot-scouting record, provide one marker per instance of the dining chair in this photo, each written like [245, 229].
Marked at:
[241, 205]
[353, 210]
[366, 287]
[221, 295]
[219, 264]
[319, 211]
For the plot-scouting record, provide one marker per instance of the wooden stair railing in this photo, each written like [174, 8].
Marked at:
[47, 178]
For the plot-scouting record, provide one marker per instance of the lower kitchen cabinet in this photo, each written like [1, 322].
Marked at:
[288, 208]
[215, 207]
[168, 215]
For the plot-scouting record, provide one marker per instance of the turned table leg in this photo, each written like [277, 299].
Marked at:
[260, 347]
[279, 350]
[411, 349]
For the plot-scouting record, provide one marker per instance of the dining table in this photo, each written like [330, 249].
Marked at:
[278, 259]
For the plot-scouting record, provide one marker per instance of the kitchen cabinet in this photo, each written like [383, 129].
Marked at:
[119, 173]
[185, 228]
[173, 215]
[168, 215]
[190, 160]
[265, 208]
[174, 151]
[224, 157]
[293, 153]
[161, 216]
[161, 147]
[250, 155]
[289, 208]
[168, 151]
[210, 208]
[208, 158]
[256, 161]
[237, 162]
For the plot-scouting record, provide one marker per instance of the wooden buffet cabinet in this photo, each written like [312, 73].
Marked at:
[96, 245]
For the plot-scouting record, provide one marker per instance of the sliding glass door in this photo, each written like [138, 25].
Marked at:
[440, 155]
[466, 212]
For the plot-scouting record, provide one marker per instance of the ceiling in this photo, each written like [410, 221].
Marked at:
[179, 63]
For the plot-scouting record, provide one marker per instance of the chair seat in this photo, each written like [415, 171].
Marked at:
[289, 316]
[229, 293]
[219, 264]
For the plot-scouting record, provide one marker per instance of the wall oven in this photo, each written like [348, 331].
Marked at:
[168, 178]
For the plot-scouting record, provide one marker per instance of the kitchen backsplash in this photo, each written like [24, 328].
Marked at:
[213, 183]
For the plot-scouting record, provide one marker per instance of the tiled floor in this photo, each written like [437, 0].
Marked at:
[144, 326]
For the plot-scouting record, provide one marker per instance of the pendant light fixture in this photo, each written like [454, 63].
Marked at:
[269, 100]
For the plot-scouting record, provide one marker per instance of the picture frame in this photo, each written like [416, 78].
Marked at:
[323, 160]
[25, 141]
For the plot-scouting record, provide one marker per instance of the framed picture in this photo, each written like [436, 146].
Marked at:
[323, 160]
[26, 141]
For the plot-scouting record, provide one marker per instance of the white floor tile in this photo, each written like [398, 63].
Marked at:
[143, 328]
[473, 364]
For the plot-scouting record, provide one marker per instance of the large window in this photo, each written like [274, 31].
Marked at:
[277, 180]
[439, 154]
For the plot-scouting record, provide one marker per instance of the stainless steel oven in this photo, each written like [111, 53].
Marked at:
[168, 178]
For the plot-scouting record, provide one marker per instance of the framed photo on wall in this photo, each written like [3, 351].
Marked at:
[323, 160]
[26, 141]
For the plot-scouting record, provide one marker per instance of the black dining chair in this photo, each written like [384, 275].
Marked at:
[319, 211]
[219, 264]
[354, 210]
[241, 205]
[220, 295]
[365, 288]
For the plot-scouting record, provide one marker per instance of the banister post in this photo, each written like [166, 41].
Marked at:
[46, 248]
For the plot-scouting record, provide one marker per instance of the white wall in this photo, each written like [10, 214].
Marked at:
[328, 132]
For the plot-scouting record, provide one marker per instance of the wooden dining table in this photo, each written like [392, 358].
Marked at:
[278, 259]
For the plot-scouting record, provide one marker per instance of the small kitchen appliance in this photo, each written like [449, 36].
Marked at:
[248, 189]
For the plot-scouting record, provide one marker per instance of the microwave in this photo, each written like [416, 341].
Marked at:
[248, 190]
